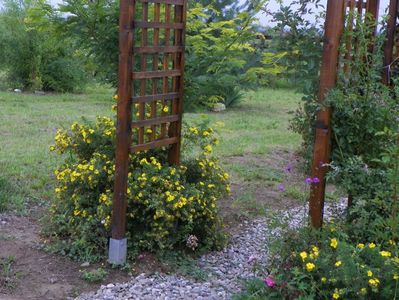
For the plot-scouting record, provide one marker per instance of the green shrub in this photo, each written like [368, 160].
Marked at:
[34, 54]
[168, 206]
[63, 75]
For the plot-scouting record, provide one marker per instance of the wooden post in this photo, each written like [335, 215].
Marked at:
[351, 20]
[328, 74]
[118, 243]
[373, 8]
[372, 11]
[178, 83]
[389, 43]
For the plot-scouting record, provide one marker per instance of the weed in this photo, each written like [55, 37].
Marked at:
[96, 275]
[8, 277]
[295, 193]
[182, 264]
[248, 204]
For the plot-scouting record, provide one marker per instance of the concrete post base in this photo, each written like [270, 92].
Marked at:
[117, 251]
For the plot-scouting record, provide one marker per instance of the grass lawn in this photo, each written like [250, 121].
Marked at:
[29, 122]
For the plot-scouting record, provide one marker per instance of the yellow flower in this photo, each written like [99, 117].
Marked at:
[371, 245]
[323, 280]
[385, 254]
[395, 276]
[369, 273]
[335, 295]
[360, 246]
[310, 267]
[374, 282]
[338, 263]
[303, 255]
[149, 131]
[334, 243]
[165, 109]
[363, 291]
[208, 148]
[115, 97]
[391, 242]
[205, 133]
[315, 251]
[193, 130]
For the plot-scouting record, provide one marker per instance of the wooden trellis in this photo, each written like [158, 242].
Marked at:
[150, 93]
[151, 65]
[334, 26]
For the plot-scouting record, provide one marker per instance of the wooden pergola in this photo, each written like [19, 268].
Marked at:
[334, 26]
[139, 66]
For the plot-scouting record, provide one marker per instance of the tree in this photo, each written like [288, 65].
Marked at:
[34, 55]
[94, 27]
[228, 9]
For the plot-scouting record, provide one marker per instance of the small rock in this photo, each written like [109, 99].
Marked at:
[17, 91]
[85, 264]
[218, 107]
[53, 280]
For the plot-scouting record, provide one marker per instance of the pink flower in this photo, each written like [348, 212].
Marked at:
[269, 281]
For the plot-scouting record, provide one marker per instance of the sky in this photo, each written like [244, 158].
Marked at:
[273, 6]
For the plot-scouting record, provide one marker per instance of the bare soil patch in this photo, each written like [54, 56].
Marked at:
[28, 272]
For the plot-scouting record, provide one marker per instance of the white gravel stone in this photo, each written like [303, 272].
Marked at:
[226, 268]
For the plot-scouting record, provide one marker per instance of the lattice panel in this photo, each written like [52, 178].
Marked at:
[356, 12]
[158, 64]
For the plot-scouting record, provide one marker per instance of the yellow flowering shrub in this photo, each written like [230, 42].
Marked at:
[335, 268]
[166, 204]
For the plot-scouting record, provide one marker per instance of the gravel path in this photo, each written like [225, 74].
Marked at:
[226, 269]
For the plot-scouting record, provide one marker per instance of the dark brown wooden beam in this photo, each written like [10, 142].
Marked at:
[178, 85]
[334, 26]
[158, 97]
[146, 24]
[158, 49]
[390, 40]
[156, 74]
[176, 2]
[117, 252]
[154, 144]
[155, 121]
